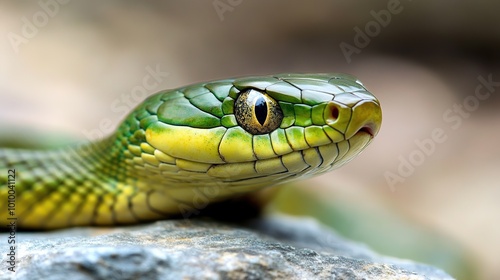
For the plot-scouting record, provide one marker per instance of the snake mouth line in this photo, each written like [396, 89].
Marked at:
[296, 164]
[366, 129]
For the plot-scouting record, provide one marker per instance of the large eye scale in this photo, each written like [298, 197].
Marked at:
[257, 112]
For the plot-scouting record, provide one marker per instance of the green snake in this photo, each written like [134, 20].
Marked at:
[183, 148]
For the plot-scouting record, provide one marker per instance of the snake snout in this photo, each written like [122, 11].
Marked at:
[366, 117]
[362, 116]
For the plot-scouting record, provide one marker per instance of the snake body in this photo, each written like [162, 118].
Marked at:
[184, 148]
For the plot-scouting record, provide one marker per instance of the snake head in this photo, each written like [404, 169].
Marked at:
[258, 131]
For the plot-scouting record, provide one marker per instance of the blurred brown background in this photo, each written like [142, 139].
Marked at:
[66, 66]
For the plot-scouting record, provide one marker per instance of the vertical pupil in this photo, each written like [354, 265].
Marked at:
[261, 110]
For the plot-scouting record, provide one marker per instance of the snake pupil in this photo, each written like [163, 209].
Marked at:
[261, 110]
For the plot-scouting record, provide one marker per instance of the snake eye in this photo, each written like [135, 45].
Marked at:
[257, 112]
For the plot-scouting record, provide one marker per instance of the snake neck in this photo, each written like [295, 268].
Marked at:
[65, 166]
[102, 164]
[100, 183]
[76, 185]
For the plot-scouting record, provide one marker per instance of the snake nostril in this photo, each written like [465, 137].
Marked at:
[334, 113]
[331, 113]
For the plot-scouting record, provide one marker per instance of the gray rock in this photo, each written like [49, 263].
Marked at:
[275, 247]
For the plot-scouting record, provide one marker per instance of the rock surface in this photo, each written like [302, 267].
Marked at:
[275, 247]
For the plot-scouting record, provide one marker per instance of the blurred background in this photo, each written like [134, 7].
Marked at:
[70, 67]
